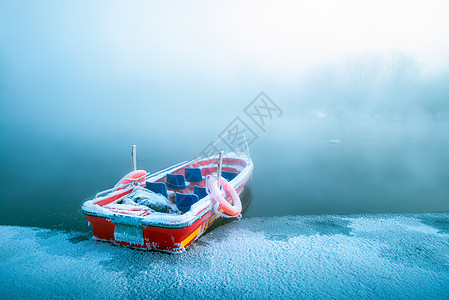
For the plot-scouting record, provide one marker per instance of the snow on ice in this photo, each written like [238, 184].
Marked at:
[373, 256]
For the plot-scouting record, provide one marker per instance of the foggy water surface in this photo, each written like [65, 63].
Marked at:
[378, 166]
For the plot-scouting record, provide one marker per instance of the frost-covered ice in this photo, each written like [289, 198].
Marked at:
[383, 256]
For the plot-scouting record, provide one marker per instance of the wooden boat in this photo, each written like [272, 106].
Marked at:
[168, 210]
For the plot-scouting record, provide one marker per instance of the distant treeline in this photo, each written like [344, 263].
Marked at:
[377, 85]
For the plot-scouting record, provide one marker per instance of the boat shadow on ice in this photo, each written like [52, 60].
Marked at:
[80, 238]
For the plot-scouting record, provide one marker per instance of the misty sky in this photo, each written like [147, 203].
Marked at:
[101, 58]
[274, 39]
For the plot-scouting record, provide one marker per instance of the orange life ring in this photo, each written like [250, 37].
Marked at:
[137, 176]
[233, 210]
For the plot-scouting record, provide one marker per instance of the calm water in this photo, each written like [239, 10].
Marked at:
[379, 166]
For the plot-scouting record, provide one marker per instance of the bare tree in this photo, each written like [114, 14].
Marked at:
[403, 68]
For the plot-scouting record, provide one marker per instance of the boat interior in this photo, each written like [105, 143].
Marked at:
[179, 189]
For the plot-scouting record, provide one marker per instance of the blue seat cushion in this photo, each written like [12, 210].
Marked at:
[157, 187]
[176, 182]
[200, 191]
[185, 201]
[193, 174]
[228, 175]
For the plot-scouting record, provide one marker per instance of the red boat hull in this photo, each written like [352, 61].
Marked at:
[155, 238]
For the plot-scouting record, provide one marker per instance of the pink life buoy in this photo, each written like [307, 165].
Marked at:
[137, 176]
[214, 191]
